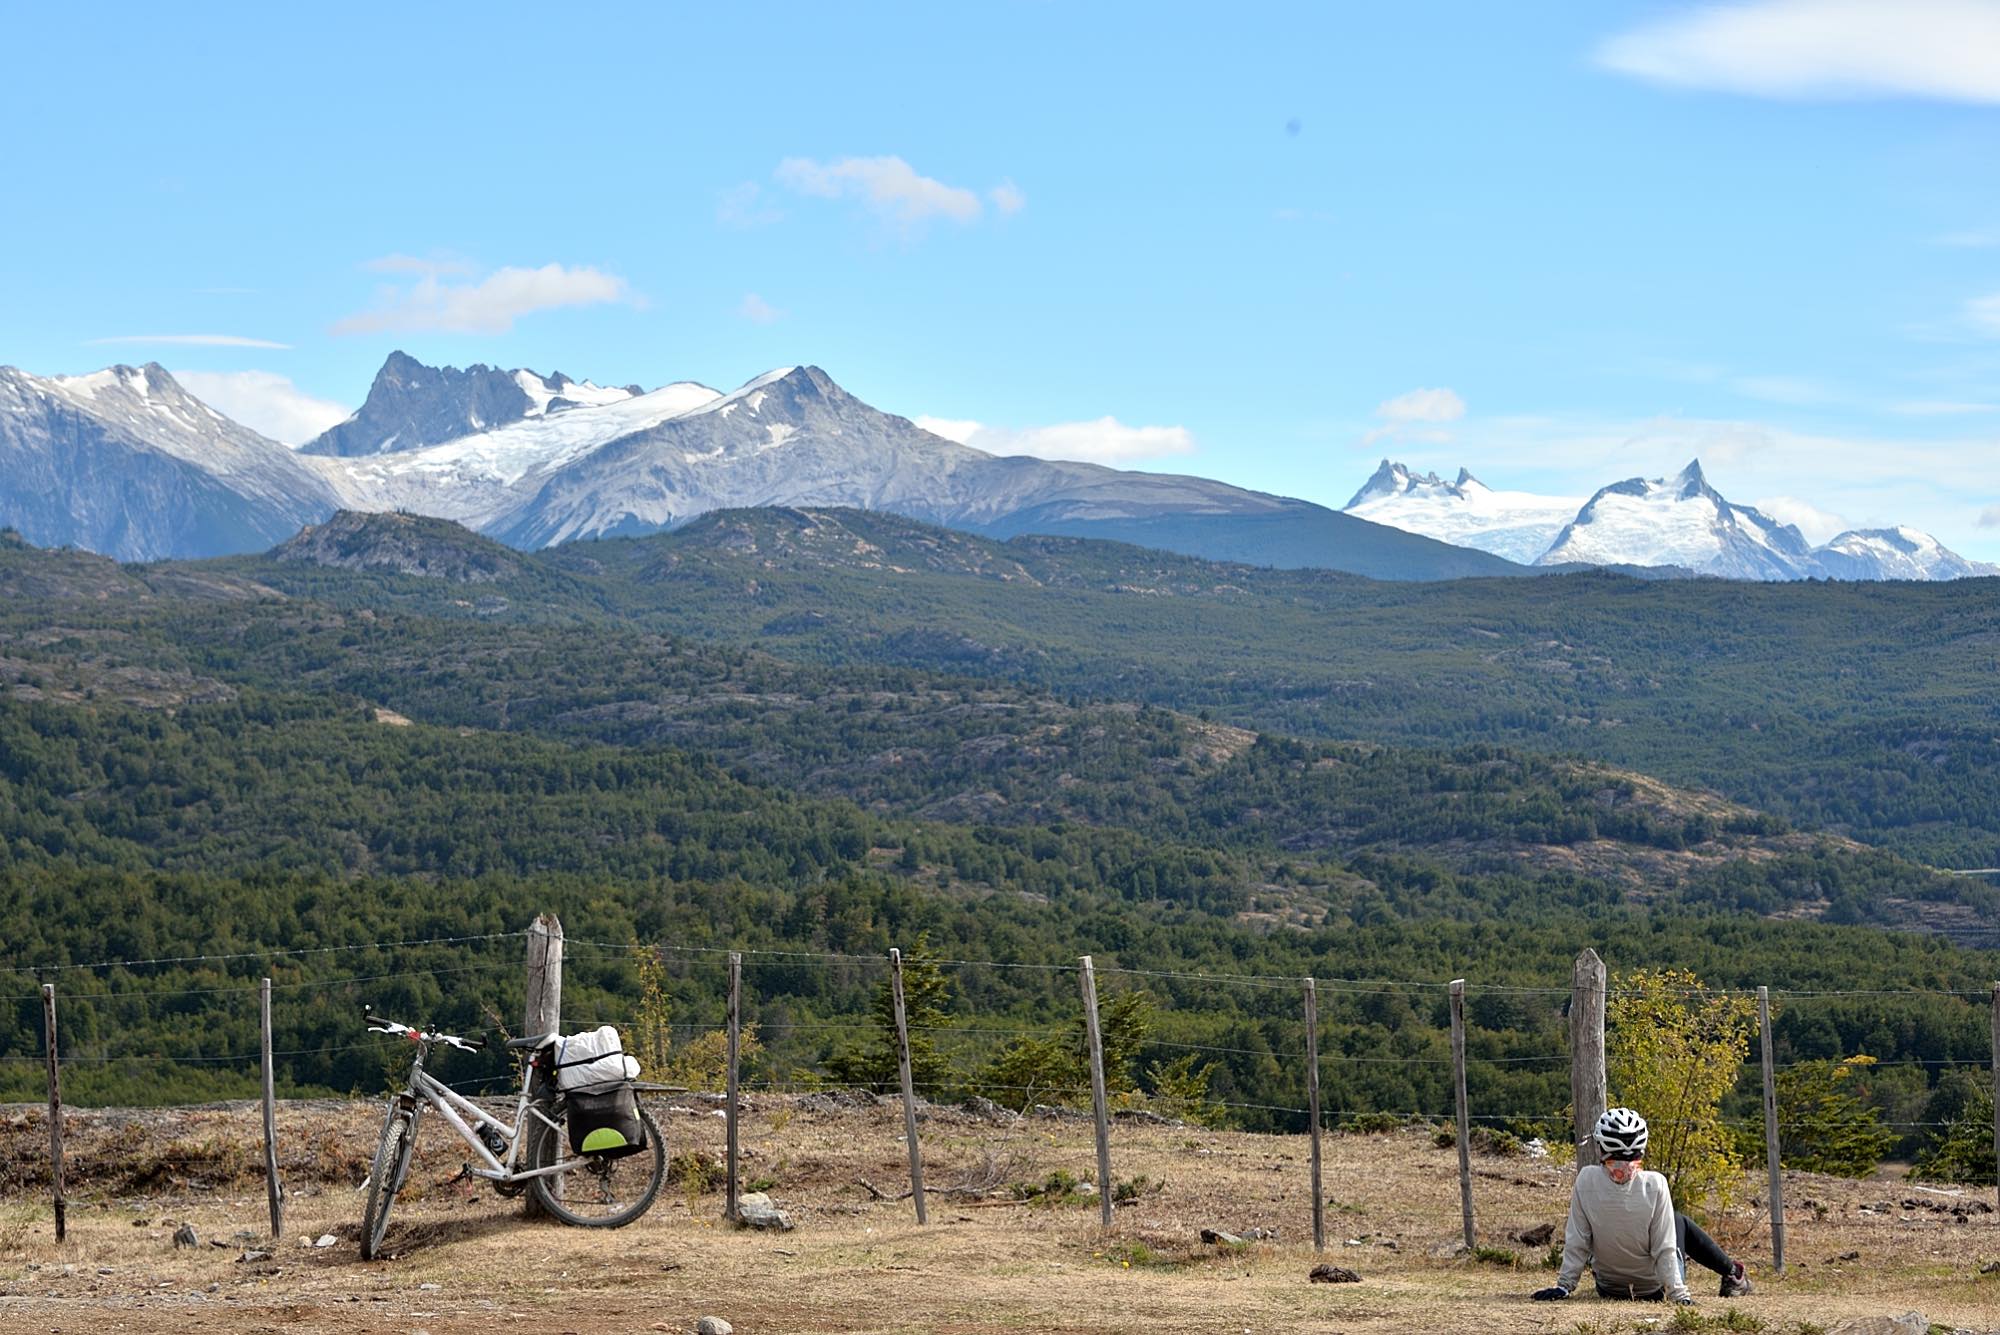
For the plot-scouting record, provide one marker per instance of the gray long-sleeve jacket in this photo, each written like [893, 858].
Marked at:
[1625, 1234]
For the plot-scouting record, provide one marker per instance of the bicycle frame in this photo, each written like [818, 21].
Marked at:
[467, 1119]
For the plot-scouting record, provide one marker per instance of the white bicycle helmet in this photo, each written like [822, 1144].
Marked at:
[1621, 1134]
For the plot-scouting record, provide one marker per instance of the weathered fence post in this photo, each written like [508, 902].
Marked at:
[735, 1058]
[1464, 1119]
[1097, 1099]
[55, 1112]
[1312, 1110]
[909, 1087]
[1996, 1080]
[544, 1005]
[1771, 1130]
[272, 1188]
[1586, 1053]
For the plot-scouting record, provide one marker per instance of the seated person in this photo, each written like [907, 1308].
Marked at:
[1623, 1225]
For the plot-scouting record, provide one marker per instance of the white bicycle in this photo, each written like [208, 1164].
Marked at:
[590, 1189]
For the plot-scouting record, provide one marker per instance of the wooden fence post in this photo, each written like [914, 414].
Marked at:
[1464, 1118]
[1996, 1079]
[1771, 1130]
[544, 1004]
[1312, 1110]
[1586, 1053]
[1098, 1105]
[909, 1087]
[273, 1190]
[735, 1058]
[55, 1112]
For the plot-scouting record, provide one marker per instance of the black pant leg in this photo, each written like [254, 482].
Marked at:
[1698, 1247]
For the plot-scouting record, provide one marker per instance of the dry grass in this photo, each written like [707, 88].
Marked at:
[466, 1261]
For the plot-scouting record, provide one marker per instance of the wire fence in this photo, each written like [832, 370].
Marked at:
[1007, 1037]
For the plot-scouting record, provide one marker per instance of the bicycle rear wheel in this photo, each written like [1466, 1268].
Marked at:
[593, 1191]
[386, 1178]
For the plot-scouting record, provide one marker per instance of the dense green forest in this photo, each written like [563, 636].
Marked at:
[1863, 708]
[779, 734]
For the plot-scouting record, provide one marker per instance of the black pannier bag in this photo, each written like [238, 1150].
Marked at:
[604, 1121]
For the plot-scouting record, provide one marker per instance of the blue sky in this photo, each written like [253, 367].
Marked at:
[1559, 244]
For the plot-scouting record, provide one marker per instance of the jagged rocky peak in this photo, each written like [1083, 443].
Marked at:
[411, 405]
[403, 544]
[1691, 482]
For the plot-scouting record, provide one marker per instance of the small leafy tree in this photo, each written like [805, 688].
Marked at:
[652, 1036]
[1180, 1089]
[1965, 1152]
[702, 1062]
[926, 1010]
[1823, 1125]
[1030, 1069]
[1675, 1050]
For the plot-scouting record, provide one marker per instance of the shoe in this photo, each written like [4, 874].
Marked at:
[1735, 1284]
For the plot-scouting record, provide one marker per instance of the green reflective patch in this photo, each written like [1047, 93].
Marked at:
[604, 1138]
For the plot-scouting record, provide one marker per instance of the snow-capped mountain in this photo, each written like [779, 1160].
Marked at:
[412, 405]
[127, 463]
[1680, 521]
[1895, 553]
[477, 477]
[1518, 525]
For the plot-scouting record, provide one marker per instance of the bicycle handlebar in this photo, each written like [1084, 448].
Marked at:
[382, 1025]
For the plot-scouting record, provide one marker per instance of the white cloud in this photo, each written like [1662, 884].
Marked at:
[888, 187]
[1818, 525]
[193, 341]
[1104, 441]
[1422, 405]
[489, 306]
[1007, 198]
[265, 402]
[1402, 416]
[1945, 49]
[758, 311]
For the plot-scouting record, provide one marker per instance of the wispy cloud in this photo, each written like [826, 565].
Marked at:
[1971, 239]
[1943, 49]
[1416, 415]
[745, 206]
[1104, 441]
[488, 306]
[1942, 408]
[1795, 390]
[893, 190]
[758, 311]
[1818, 525]
[193, 341]
[267, 403]
[436, 266]
[1983, 313]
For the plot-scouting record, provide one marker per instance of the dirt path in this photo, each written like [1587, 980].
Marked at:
[465, 1261]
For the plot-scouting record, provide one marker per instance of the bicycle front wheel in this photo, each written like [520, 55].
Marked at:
[593, 1191]
[386, 1178]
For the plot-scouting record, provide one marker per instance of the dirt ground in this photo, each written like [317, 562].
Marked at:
[464, 1260]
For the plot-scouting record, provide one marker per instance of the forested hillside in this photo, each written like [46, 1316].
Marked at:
[235, 758]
